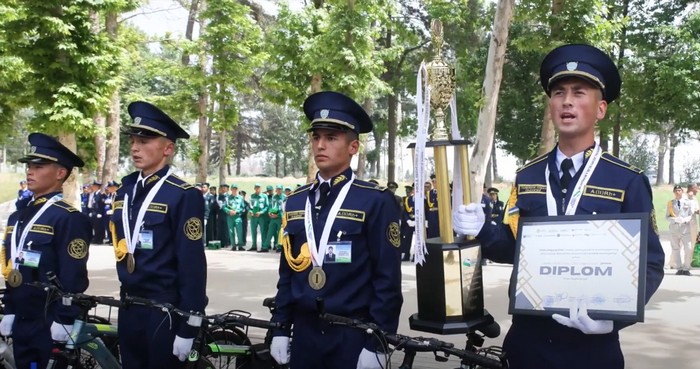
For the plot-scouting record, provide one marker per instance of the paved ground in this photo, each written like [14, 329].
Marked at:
[241, 280]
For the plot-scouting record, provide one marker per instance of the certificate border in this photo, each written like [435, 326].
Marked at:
[600, 314]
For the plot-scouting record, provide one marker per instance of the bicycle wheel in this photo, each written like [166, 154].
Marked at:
[228, 336]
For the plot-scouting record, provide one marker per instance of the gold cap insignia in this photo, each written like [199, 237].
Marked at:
[32, 149]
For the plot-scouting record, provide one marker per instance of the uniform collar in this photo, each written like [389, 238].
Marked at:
[578, 159]
[42, 199]
[152, 177]
[340, 179]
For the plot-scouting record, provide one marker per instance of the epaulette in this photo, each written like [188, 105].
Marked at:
[369, 185]
[533, 162]
[300, 189]
[66, 206]
[617, 161]
[178, 182]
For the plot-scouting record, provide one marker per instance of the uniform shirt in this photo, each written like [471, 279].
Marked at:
[62, 234]
[259, 203]
[276, 204]
[626, 190]
[234, 203]
[175, 269]
[369, 287]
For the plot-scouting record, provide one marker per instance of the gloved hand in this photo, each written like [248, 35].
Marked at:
[99, 216]
[279, 349]
[60, 332]
[182, 347]
[579, 319]
[468, 219]
[6, 324]
[371, 360]
[411, 223]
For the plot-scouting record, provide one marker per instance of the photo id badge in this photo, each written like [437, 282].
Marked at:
[28, 258]
[146, 240]
[338, 252]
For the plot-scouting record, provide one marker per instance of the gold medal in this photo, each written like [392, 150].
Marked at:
[15, 278]
[317, 278]
[130, 263]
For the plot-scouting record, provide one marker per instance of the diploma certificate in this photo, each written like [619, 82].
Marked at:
[600, 258]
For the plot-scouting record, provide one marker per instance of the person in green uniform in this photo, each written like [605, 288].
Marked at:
[221, 200]
[234, 207]
[275, 213]
[258, 215]
[265, 219]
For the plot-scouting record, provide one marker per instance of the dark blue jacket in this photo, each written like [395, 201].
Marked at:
[62, 234]
[175, 269]
[369, 287]
[628, 192]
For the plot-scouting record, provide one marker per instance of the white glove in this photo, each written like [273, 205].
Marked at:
[279, 349]
[6, 324]
[411, 223]
[579, 319]
[468, 219]
[60, 332]
[371, 360]
[182, 347]
[99, 216]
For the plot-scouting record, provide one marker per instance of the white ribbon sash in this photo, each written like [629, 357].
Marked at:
[317, 254]
[578, 189]
[14, 246]
[423, 115]
[132, 235]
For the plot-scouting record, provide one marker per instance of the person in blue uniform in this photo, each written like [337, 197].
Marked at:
[431, 208]
[408, 223]
[109, 196]
[576, 177]
[96, 207]
[56, 234]
[24, 196]
[362, 224]
[84, 196]
[158, 224]
[495, 205]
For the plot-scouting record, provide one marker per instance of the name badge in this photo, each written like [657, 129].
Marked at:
[338, 253]
[146, 240]
[29, 258]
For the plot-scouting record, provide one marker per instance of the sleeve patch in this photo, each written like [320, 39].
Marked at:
[393, 234]
[193, 229]
[78, 248]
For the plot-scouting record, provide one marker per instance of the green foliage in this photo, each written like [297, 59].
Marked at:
[639, 151]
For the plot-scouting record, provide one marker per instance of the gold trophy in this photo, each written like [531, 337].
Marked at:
[449, 283]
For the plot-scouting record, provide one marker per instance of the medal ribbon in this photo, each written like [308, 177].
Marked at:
[578, 189]
[132, 236]
[14, 246]
[318, 254]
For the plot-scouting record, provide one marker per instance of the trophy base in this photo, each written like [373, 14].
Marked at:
[469, 325]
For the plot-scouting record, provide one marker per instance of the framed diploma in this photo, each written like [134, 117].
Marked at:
[600, 258]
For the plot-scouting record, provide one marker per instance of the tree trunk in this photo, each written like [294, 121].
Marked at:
[620, 66]
[392, 126]
[316, 82]
[223, 157]
[547, 134]
[672, 158]
[491, 87]
[99, 121]
[71, 194]
[111, 163]
[660, 167]
[493, 162]
[189, 28]
[203, 139]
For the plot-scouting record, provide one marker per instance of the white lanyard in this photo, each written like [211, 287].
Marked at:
[317, 255]
[132, 236]
[15, 247]
[578, 189]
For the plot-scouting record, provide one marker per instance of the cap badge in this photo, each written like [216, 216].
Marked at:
[571, 66]
[324, 113]
[32, 149]
[137, 120]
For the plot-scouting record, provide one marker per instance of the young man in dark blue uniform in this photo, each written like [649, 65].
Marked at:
[408, 223]
[431, 209]
[495, 205]
[158, 219]
[96, 206]
[361, 222]
[24, 195]
[580, 80]
[56, 234]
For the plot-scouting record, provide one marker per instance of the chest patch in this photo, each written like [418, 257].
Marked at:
[356, 215]
[604, 193]
[532, 189]
[295, 215]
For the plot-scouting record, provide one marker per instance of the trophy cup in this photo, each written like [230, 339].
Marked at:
[449, 283]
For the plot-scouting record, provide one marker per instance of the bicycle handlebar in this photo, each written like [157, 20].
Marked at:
[416, 344]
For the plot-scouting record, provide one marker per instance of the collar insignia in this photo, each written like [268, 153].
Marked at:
[152, 178]
[339, 179]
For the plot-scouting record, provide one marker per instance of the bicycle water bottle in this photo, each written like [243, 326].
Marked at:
[77, 328]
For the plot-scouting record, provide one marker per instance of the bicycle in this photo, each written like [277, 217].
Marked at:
[470, 357]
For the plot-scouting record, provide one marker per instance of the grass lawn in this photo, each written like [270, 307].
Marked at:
[9, 184]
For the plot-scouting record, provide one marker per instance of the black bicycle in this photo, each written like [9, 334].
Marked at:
[471, 357]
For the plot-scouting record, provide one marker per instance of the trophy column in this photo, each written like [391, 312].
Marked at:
[449, 283]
